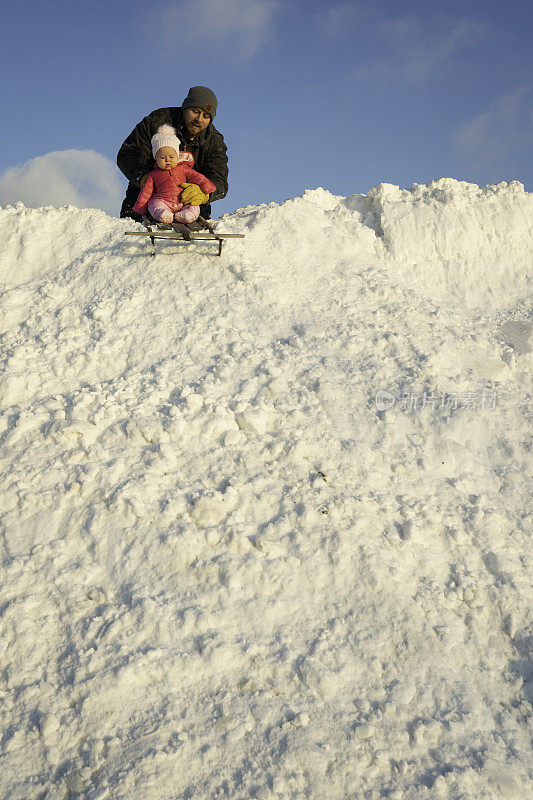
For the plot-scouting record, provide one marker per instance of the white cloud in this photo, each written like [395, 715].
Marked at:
[409, 49]
[494, 138]
[234, 28]
[82, 178]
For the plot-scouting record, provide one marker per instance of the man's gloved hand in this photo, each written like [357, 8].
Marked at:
[192, 195]
[143, 180]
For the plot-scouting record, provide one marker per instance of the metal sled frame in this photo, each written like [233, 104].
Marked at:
[200, 230]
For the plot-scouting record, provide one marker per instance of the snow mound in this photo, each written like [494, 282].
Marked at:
[36, 240]
[265, 522]
[456, 241]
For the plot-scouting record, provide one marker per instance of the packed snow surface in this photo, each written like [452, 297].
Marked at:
[265, 517]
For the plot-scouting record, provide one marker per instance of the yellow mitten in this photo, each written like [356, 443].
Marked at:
[192, 195]
[143, 180]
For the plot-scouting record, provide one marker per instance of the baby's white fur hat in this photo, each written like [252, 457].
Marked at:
[165, 137]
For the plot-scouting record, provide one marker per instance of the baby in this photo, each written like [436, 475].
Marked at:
[161, 192]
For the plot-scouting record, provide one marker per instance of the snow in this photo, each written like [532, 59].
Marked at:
[229, 569]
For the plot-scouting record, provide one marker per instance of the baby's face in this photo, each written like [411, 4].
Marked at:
[166, 158]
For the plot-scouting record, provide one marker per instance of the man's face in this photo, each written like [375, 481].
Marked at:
[196, 120]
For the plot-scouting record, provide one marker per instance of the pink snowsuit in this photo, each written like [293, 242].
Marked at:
[161, 192]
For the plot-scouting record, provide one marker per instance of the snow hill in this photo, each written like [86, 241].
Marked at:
[265, 518]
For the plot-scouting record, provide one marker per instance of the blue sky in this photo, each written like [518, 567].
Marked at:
[342, 95]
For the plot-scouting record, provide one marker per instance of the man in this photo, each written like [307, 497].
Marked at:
[193, 123]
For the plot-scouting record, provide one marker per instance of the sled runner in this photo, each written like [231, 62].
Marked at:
[200, 230]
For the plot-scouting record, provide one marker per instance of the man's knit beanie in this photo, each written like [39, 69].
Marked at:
[165, 137]
[201, 97]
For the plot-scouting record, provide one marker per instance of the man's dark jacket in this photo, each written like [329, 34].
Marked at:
[135, 158]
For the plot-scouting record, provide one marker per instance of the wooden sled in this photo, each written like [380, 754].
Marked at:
[200, 230]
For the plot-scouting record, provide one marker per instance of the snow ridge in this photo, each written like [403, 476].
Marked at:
[459, 241]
